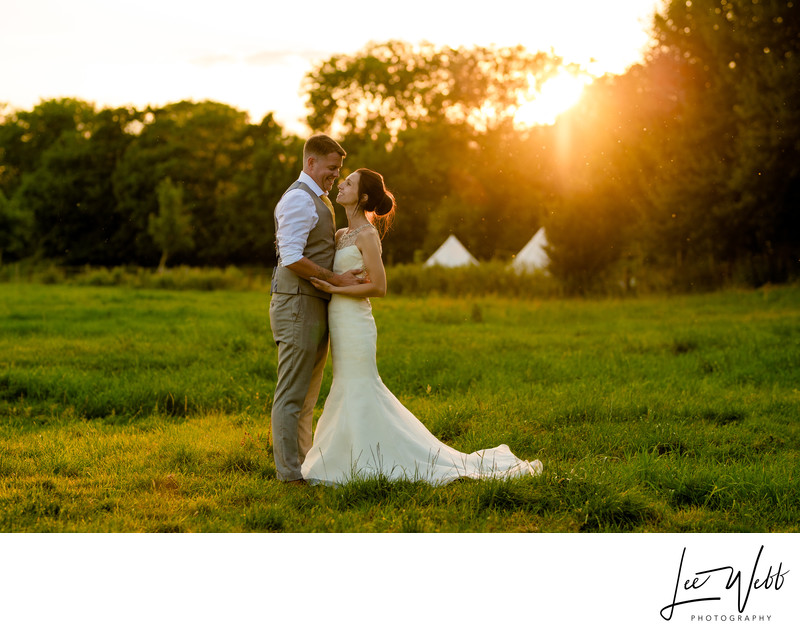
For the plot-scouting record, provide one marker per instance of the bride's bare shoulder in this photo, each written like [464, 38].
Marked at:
[369, 237]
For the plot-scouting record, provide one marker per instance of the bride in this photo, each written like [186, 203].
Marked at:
[364, 431]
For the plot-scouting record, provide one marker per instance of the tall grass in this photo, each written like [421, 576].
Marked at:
[490, 277]
[494, 277]
[144, 410]
[177, 278]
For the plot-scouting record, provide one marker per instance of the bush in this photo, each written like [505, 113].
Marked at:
[475, 280]
[487, 278]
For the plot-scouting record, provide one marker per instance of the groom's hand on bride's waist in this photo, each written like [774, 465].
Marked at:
[351, 277]
[339, 280]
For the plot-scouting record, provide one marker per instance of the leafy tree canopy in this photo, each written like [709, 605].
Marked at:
[396, 85]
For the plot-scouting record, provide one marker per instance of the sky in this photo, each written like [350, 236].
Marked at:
[253, 55]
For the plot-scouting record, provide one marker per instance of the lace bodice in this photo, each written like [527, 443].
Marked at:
[346, 238]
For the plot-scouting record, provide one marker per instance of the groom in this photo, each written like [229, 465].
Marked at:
[304, 240]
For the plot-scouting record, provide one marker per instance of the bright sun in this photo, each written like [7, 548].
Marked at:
[557, 95]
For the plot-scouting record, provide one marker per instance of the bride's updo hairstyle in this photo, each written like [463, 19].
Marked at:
[379, 206]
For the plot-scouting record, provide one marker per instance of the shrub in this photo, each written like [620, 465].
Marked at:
[493, 277]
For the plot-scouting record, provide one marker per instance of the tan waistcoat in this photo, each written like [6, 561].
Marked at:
[320, 248]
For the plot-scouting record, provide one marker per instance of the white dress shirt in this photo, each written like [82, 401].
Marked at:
[296, 216]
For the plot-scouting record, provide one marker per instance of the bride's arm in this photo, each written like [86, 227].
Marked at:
[370, 245]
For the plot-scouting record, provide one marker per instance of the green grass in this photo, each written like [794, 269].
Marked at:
[130, 410]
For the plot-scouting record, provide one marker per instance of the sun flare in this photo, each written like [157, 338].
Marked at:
[556, 96]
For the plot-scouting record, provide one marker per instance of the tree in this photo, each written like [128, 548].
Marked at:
[245, 203]
[87, 180]
[437, 122]
[416, 170]
[394, 86]
[171, 229]
[732, 169]
[26, 136]
[15, 229]
[229, 171]
[585, 239]
[71, 197]
[594, 181]
[494, 195]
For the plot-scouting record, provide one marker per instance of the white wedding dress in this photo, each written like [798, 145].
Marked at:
[364, 431]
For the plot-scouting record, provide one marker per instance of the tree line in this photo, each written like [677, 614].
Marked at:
[684, 170]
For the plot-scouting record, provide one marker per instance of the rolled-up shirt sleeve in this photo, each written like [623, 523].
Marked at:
[296, 217]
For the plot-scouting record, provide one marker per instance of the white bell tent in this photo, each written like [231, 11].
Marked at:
[532, 257]
[451, 254]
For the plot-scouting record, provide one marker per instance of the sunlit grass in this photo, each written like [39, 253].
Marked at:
[141, 410]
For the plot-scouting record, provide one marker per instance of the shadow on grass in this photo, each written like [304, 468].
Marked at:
[264, 519]
[379, 491]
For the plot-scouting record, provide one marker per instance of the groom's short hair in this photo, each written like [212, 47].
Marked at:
[320, 145]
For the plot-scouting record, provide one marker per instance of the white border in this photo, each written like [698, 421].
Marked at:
[386, 581]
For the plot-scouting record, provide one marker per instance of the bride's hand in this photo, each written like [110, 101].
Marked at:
[323, 285]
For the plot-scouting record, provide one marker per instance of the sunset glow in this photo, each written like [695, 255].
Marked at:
[556, 96]
[200, 51]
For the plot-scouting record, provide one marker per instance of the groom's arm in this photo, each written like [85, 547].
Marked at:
[306, 268]
[296, 217]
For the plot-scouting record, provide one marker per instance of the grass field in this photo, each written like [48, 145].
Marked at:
[129, 410]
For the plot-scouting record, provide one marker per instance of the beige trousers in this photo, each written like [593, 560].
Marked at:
[300, 329]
